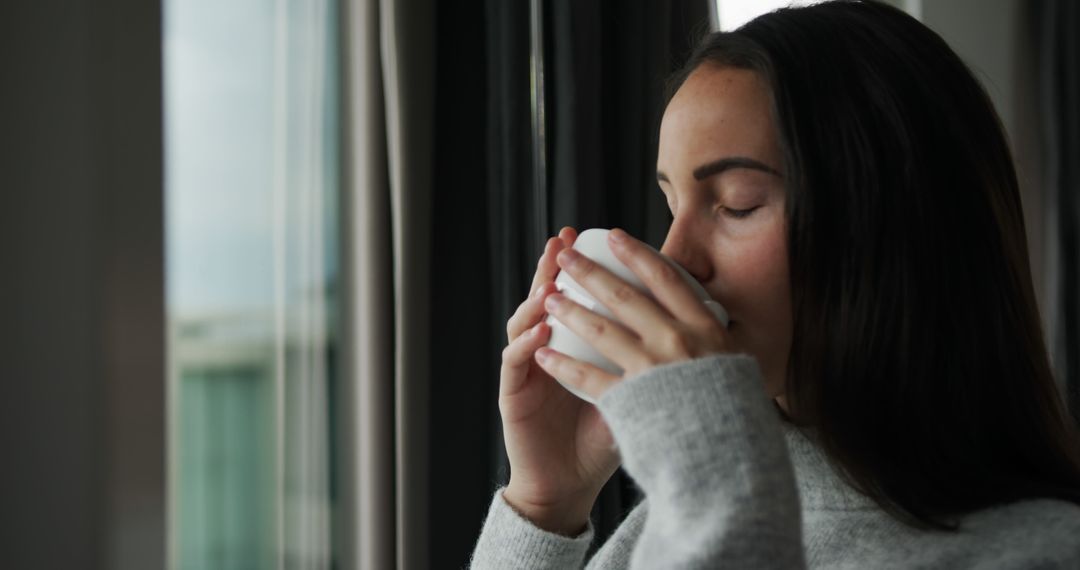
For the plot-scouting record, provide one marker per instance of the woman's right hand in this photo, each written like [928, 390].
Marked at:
[560, 449]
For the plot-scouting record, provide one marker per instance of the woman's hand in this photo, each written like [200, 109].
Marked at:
[561, 451]
[680, 328]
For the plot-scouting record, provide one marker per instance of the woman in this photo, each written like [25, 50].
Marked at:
[882, 396]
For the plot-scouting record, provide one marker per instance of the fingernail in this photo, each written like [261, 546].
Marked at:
[540, 291]
[542, 354]
[553, 301]
[568, 256]
[617, 235]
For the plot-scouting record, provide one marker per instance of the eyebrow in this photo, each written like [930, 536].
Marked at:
[717, 166]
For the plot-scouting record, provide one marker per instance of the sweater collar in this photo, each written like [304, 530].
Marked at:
[820, 487]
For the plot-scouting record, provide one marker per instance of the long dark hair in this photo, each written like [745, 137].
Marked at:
[918, 356]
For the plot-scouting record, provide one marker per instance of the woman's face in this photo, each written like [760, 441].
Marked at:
[719, 166]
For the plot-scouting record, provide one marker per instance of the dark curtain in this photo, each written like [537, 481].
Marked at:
[1060, 85]
[605, 67]
[464, 367]
[485, 243]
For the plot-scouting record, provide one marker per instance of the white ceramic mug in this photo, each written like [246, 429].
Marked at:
[593, 243]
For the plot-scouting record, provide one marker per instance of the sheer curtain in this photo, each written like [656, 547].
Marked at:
[252, 177]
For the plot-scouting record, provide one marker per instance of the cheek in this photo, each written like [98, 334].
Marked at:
[759, 291]
[757, 277]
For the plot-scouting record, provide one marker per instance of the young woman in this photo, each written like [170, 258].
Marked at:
[882, 397]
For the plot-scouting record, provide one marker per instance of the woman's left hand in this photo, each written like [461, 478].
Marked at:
[680, 328]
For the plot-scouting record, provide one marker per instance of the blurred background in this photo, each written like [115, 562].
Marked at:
[258, 255]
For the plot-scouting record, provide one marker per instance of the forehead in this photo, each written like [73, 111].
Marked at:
[718, 112]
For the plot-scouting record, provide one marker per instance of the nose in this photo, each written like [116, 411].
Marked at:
[686, 247]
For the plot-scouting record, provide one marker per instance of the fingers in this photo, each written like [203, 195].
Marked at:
[528, 312]
[582, 376]
[546, 268]
[517, 356]
[568, 235]
[632, 307]
[662, 279]
[613, 340]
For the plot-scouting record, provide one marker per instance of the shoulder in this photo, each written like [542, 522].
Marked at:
[1032, 530]
[1044, 513]
[1038, 533]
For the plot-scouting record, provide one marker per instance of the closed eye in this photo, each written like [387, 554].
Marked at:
[738, 214]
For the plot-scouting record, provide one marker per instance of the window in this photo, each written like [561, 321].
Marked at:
[251, 112]
[734, 13]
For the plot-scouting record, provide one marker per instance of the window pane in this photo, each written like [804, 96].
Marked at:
[252, 270]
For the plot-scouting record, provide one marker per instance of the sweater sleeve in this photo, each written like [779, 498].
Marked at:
[704, 442]
[509, 540]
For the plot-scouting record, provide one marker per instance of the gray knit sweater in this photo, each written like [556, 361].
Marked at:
[729, 485]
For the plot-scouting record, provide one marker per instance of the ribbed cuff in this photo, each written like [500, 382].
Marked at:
[509, 540]
[675, 422]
